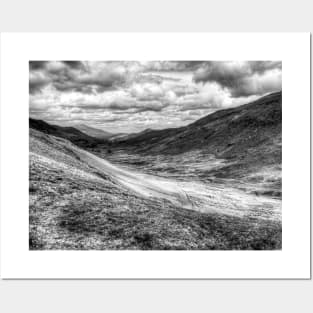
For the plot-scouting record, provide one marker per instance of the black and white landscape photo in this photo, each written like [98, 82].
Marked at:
[155, 155]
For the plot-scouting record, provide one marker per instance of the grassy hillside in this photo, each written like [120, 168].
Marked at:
[225, 133]
[75, 206]
[70, 133]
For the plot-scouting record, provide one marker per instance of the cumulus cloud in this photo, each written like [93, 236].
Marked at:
[168, 66]
[108, 78]
[209, 97]
[69, 76]
[132, 95]
[242, 78]
[37, 80]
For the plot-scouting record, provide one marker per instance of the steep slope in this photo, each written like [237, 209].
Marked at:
[226, 133]
[94, 132]
[69, 133]
[231, 133]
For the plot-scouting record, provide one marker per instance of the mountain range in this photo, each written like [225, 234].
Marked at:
[249, 134]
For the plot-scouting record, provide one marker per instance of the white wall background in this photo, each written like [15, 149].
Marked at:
[156, 296]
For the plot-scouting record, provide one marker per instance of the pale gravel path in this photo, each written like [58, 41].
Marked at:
[189, 195]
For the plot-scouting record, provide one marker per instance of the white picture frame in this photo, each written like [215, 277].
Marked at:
[292, 262]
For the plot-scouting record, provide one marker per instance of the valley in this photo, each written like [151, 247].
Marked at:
[213, 184]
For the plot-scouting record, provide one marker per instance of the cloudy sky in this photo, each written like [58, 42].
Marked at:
[130, 96]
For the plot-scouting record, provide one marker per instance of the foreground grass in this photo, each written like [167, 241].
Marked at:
[74, 213]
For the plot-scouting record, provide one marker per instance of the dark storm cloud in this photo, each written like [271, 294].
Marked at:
[37, 65]
[35, 86]
[37, 81]
[74, 64]
[72, 76]
[241, 79]
[102, 79]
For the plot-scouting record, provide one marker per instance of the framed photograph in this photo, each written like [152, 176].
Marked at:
[175, 156]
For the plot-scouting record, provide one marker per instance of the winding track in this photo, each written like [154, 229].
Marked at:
[143, 184]
[189, 195]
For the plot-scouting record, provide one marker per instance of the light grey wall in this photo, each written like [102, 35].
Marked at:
[161, 15]
[156, 296]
